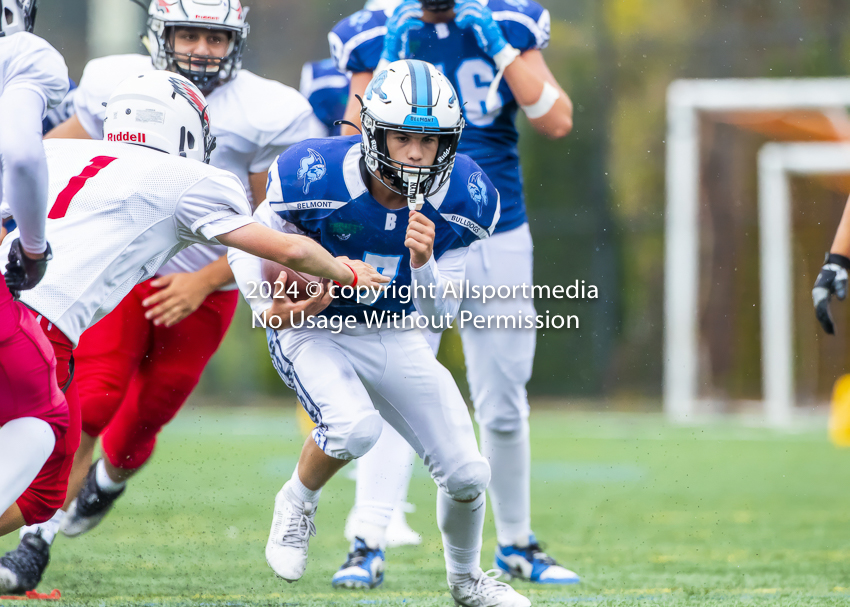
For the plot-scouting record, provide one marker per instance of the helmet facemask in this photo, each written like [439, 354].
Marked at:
[399, 176]
[205, 71]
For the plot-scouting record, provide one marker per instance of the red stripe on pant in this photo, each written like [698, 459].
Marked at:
[133, 376]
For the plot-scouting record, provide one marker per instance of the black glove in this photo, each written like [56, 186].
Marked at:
[23, 273]
[831, 280]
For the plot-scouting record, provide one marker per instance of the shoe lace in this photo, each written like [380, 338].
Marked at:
[299, 528]
[536, 553]
[487, 586]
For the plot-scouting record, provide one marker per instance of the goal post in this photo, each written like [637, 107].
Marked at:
[687, 100]
[777, 163]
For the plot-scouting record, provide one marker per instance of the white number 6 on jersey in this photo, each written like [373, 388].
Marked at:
[473, 78]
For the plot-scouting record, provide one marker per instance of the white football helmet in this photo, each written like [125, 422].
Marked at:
[17, 16]
[414, 97]
[163, 111]
[206, 71]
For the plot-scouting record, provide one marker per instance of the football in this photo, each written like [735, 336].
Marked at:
[271, 272]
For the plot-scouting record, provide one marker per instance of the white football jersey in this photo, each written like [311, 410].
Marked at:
[27, 61]
[253, 120]
[117, 213]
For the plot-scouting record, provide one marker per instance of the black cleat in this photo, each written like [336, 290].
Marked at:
[22, 568]
[91, 505]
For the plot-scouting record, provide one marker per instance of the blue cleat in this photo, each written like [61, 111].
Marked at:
[531, 564]
[363, 569]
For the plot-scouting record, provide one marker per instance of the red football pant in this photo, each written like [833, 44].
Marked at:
[31, 373]
[133, 376]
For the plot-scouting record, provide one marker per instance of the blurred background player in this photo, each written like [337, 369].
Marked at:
[36, 443]
[349, 380]
[137, 367]
[144, 206]
[326, 88]
[492, 55]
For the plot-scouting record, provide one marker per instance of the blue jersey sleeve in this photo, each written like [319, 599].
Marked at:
[326, 88]
[357, 41]
[525, 23]
[471, 206]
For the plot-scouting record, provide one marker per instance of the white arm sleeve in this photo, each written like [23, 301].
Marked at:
[214, 205]
[450, 269]
[24, 164]
[248, 269]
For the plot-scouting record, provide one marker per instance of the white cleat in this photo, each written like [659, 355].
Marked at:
[479, 589]
[292, 526]
[399, 532]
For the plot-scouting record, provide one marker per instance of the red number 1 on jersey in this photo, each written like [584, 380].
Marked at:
[63, 200]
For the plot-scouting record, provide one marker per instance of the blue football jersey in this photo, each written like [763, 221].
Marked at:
[317, 185]
[489, 138]
[61, 112]
[326, 88]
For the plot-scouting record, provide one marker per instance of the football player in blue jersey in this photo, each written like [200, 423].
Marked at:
[400, 199]
[491, 52]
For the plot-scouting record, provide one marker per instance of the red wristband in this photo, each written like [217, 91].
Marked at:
[353, 284]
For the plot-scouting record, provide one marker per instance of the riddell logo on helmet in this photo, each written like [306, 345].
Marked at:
[135, 137]
[207, 17]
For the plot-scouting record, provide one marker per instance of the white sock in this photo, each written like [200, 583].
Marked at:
[509, 454]
[25, 444]
[461, 525]
[48, 529]
[383, 476]
[101, 477]
[301, 492]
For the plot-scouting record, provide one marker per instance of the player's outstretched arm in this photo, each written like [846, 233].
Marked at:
[70, 129]
[832, 279]
[301, 254]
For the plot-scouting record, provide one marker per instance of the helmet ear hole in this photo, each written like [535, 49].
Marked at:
[9, 16]
[190, 140]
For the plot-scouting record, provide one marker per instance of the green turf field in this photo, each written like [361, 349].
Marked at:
[646, 513]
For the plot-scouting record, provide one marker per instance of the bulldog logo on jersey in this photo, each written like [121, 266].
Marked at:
[312, 169]
[375, 87]
[477, 191]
